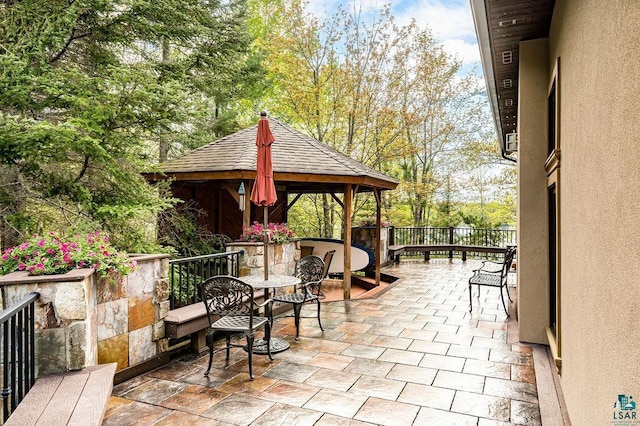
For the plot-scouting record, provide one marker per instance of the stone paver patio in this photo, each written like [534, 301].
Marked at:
[412, 356]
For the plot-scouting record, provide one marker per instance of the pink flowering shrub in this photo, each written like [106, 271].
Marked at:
[53, 254]
[278, 233]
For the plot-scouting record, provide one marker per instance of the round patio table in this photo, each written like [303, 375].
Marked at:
[259, 283]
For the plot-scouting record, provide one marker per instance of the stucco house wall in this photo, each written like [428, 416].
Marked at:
[598, 44]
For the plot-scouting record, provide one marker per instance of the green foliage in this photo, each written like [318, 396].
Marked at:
[88, 91]
[53, 254]
[181, 229]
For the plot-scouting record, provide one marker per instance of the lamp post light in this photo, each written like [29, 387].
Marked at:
[241, 193]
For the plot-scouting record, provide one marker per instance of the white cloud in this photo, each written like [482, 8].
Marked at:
[449, 20]
[468, 53]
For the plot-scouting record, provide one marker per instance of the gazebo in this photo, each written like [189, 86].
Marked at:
[212, 176]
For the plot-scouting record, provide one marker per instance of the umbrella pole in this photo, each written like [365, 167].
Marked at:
[266, 244]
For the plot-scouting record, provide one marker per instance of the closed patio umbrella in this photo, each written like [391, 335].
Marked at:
[264, 190]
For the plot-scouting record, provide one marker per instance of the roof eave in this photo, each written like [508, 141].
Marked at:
[479, 12]
[363, 181]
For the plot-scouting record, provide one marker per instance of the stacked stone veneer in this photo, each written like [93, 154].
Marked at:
[82, 320]
[282, 257]
[366, 236]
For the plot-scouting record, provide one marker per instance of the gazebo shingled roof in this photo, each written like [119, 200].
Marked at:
[302, 163]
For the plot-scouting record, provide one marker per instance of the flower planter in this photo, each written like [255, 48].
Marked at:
[282, 257]
[82, 320]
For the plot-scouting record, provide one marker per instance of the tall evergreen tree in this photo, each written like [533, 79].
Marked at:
[88, 91]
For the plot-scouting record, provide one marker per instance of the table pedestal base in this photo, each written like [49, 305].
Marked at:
[277, 345]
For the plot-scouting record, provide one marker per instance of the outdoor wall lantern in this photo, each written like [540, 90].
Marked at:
[241, 194]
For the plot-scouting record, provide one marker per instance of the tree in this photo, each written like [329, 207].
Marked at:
[86, 95]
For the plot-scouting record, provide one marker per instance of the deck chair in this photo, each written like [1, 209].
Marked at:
[311, 271]
[231, 308]
[493, 277]
[328, 257]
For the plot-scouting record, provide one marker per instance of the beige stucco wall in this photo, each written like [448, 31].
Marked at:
[532, 193]
[599, 48]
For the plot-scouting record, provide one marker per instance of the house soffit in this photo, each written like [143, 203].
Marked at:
[505, 24]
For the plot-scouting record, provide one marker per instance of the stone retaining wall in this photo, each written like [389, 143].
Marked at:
[82, 320]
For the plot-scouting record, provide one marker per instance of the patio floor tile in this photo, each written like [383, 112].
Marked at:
[290, 393]
[429, 347]
[387, 413]
[410, 373]
[154, 391]
[378, 387]
[522, 373]
[525, 413]
[338, 380]
[282, 414]
[401, 357]
[135, 413]
[509, 389]
[459, 381]
[331, 420]
[433, 417]
[392, 342]
[468, 352]
[370, 367]
[336, 402]
[441, 362]
[474, 404]
[193, 399]
[363, 351]
[179, 418]
[487, 368]
[427, 396]
[412, 356]
[330, 361]
[238, 410]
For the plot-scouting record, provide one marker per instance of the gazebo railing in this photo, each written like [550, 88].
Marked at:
[187, 273]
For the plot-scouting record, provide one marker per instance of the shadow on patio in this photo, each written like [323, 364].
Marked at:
[414, 355]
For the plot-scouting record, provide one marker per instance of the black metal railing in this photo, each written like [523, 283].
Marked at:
[186, 274]
[486, 237]
[18, 352]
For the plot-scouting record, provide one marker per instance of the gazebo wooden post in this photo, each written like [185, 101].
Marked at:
[377, 194]
[348, 196]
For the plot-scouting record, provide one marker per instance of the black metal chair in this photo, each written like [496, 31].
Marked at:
[328, 257]
[231, 308]
[494, 278]
[311, 271]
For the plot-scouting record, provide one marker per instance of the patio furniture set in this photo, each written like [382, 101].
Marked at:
[231, 306]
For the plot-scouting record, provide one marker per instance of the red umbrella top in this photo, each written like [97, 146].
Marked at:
[264, 190]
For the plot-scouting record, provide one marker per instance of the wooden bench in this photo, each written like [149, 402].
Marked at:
[190, 320]
[395, 251]
[73, 398]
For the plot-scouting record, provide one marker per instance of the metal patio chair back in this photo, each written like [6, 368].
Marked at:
[311, 271]
[231, 309]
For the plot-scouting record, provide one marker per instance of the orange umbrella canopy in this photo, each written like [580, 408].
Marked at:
[264, 190]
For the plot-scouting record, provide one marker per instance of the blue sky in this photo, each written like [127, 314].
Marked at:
[449, 20]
